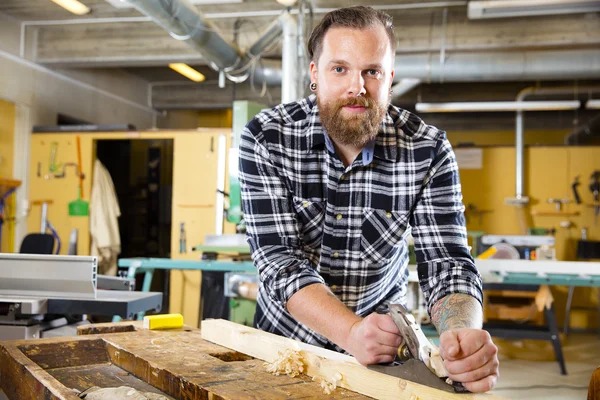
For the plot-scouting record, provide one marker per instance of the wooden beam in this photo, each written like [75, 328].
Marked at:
[324, 364]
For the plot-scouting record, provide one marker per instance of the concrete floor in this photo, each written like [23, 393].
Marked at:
[528, 369]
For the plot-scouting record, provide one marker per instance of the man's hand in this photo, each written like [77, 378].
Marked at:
[470, 357]
[374, 339]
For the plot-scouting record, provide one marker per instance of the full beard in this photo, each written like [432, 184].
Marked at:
[352, 129]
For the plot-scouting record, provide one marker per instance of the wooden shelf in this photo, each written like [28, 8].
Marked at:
[8, 184]
[555, 213]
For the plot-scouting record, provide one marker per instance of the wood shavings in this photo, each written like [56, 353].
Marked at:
[289, 362]
[435, 363]
[328, 386]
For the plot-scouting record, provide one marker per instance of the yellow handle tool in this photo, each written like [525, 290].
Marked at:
[163, 321]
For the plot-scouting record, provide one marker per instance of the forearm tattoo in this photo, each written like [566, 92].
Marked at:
[456, 311]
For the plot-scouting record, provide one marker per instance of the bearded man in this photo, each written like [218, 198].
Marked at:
[333, 184]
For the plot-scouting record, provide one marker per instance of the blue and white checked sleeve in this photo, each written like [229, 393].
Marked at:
[271, 222]
[444, 264]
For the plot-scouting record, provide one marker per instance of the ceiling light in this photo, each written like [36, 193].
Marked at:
[73, 6]
[126, 4]
[499, 106]
[187, 71]
[287, 3]
[525, 8]
[592, 104]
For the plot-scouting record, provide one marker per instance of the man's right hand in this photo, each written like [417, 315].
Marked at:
[374, 339]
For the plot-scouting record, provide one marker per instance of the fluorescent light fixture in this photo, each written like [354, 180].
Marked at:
[73, 6]
[126, 4]
[526, 8]
[187, 71]
[287, 3]
[491, 106]
[592, 104]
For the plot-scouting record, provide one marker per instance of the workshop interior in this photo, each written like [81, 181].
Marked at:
[123, 252]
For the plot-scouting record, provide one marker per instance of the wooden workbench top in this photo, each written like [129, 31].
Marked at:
[176, 363]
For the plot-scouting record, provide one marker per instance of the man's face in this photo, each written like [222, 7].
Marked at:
[353, 74]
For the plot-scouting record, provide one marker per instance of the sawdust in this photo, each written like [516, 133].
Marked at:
[289, 363]
[328, 386]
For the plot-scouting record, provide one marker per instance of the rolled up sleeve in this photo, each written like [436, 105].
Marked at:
[444, 264]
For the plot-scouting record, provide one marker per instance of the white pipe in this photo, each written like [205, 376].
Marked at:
[499, 106]
[289, 63]
[520, 128]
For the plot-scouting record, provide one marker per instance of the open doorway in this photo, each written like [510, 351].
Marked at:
[142, 173]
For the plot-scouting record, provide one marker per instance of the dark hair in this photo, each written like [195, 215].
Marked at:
[359, 17]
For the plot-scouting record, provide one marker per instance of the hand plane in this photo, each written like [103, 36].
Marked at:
[418, 360]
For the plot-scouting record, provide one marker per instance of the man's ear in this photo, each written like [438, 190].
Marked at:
[313, 72]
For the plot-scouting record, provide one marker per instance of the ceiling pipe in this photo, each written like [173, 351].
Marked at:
[289, 60]
[185, 22]
[496, 66]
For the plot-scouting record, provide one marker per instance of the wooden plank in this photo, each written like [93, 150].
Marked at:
[178, 363]
[183, 365]
[109, 327]
[324, 364]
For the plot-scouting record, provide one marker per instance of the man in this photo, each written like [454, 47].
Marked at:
[331, 187]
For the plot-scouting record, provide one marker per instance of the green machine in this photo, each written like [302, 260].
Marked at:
[243, 112]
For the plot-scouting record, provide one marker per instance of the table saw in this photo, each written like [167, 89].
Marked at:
[35, 290]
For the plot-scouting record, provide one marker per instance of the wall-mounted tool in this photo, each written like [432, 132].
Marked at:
[182, 239]
[79, 207]
[595, 189]
[53, 167]
[574, 186]
[63, 170]
[418, 359]
[558, 202]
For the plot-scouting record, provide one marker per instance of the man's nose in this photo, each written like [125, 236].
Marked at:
[356, 85]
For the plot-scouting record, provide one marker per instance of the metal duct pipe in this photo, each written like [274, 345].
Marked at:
[501, 66]
[289, 60]
[520, 130]
[488, 66]
[184, 22]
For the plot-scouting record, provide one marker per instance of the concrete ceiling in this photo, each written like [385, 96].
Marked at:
[55, 38]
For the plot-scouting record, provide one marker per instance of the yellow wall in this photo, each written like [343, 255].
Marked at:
[507, 138]
[549, 172]
[194, 196]
[7, 139]
[216, 118]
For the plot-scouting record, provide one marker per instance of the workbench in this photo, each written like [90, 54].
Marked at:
[182, 365]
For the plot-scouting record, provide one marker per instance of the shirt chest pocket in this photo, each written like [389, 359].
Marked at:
[381, 231]
[310, 216]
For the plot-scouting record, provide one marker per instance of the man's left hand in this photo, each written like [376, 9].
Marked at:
[470, 357]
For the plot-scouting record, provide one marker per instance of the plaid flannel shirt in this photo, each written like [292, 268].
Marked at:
[312, 220]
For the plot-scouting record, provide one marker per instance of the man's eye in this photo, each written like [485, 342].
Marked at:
[373, 72]
[339, 70]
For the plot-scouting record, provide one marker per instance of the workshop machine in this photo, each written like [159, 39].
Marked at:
[38, 291]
